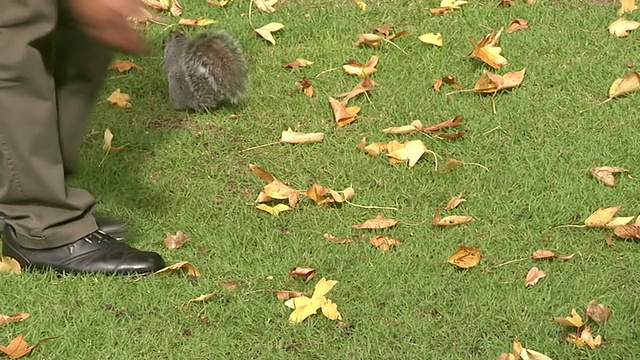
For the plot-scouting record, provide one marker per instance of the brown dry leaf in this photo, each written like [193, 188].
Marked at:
[181, 266]
[627, 6]
[9, 265]
[18, 347]
[120, 99]
[492, 83]
[158, 4]
[627, 232]
[275, 189]
[5, 319]
[517, 24]
[108, 139]
[450, 220]
[173, 242]
[454, 202]
[337, 240]
[465, 257]
[384, 242]
[201, 21]
[379, 222]
[413, 128]
[487, 51]
[229, 285]
[598, 312]
[342, 114]
[266, 31]
[410, 152]
[363, 86]
[383, 29]
[202, 298]
[286, 294]
[622, 86]
[543, 254]
[533, 276]
[124, 65]
[305, 86]
[437, 83]
[604, 174]
[452, 136]
[608, 239]
[586, 339]
[292, 137]
[301, 272]
[447, 6]
[265, 5]
[621, 27]
[573, 320]
[454, 122]
[450, 165]
[431, 39]
[176, 8]
[375, 149]
[353, 67]
[505, 3]
[601, 217]
[374, 40]
[220, 3]
[324, 195]
[297, 63]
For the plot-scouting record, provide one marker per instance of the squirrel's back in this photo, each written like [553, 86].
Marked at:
[213, 67]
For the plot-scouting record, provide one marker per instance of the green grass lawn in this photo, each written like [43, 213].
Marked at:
[185, 172]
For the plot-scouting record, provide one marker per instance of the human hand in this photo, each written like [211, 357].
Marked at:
[106, 21]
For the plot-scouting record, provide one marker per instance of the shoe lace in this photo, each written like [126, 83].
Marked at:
[98, 237]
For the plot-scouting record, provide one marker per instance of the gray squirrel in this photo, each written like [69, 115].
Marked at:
[204, 71]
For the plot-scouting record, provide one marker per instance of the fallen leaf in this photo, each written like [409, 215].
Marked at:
[447, 6]
[286, 294]
[609, 239]
[275, 189]
[601, 217]
[622, 86]
[202, 298]
[124, 65]
[374, 40]
[585, 339]
[108, 139]
[627, 232]
[604, 174]
[413, 128]
[158, 5]
[627, 6]
[384, 242]
[304, 85]
[450, 165]
[379, 222]
[305, 307]
[274, 210]
[517, 24]
[176, 8]
[573, 320]
[543, 254]
[410, 152]
[465, 257]
[454, 122]
[5, 319]
[220, 3]
[173, 242]
[342, 114]
[183, 266]
[598, 312]
[373, 149]
[437, 83]
[265, 5]
[292, 137]
[9, 265]
[454, 202]
[297, 63]
[201, 21]
[229, 285]
[450, 220]
[323, 195]
[621, 27]
[301, 272]
[353, 67]
[384, 29]
[566, 257]
[337, 240]
[505, 3]
[533, 276]
[492, 83]
[361, 4]
[363, 86]
[267, 30]
[487, 51]
[120, 99]
[432, 39]
[18, 347]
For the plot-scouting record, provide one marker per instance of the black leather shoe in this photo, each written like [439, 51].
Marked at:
[97, 252]
[113, 227]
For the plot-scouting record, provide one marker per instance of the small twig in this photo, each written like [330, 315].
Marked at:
[493, 103]
[249, 16]
[260, 146]
[570, 226]
[435, 158]
[511, 261]
[492, 130]
[326, 71]
[468, 163]
[370, 206]
[460, 91]
[398, 47]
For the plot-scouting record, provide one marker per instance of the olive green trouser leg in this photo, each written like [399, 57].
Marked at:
[49, 75]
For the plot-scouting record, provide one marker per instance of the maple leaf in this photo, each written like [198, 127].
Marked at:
[454, 122]
[492, 83]
[273, 210]
[432, 39]
[201, 22]
[303, 307]
[437, 83]
[465, 257]
[604, 174]
[18, 347]
[410, 152]
[265, 5]
[9, 265]
[454, 202]
[517, 24]
[293, 137]
[301, 272]
[533, 276]
[297, 63]
[621, 27]
[266, 31]
[627, 6]
[124, 65]
[342, 114]
[487, 51]
[173, 242]
[185, 266]
[352, 67]
[379, 222]
[573, 320]
[5, 319]
[275, 189]
[363, 86]
[108, 139]
[598, 312]
[412, 128]
[120, 99]
[384, 242]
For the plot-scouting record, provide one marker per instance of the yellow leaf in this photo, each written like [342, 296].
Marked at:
[297, 63]
[621, 27]
[181, 265]
[486, 50]
[303, 308]
[274, 210]
[330, 310]
[176, 8]
[275, 189]
[432, 39]
[573, 320]
[323, 287]
[108, 138]
[415, 127]
[342, 114]
[265, 5]
[267, 30]
[465, 257]
[353, 67]
[202, 298]
[586, 338]
[318, 193]
[361, 4]
[619, 221]
[201, 21]
[411, 152]
[621, 86]
[292, 137]
[602, 216]
[124, 65]
[627, 6]
[120, 99]
[9, 265]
